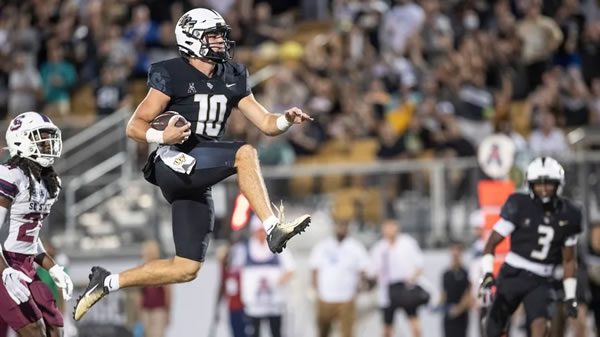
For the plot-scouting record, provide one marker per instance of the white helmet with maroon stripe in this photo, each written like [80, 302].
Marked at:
[32, 135]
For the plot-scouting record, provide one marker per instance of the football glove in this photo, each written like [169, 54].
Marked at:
[486, 289]
[62, 280]
[13, 281]
[571, 307]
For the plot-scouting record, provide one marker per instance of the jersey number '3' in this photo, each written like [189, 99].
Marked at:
[546, 236]
[211, 113]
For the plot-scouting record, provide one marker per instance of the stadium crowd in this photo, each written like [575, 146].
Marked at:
[424, 78]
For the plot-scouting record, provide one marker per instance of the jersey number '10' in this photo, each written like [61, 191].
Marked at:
[211, 113]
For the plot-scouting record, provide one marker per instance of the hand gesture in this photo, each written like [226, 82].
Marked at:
[296, 116]
[486, 291]
[176, 134]
[62, 280]
[13, 282]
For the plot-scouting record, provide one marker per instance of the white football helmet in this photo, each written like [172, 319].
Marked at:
[545, 169]
[191, 30]
[33, 135]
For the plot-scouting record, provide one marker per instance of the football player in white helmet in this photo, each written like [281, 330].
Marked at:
[543, 228]
[28, 189]
[204, 86]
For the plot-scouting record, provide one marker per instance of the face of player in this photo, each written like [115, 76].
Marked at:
[545, 190]
[216, 41]
[45, 146]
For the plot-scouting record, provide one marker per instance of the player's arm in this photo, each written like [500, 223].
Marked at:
[502, 229]
[138, 127]
[569, 256]
[56, 271]
[269, 123]
[4, 207]
[11, 278]
[509, 215]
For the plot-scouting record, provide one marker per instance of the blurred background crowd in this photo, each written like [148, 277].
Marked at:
[384, 80]
[424, 78]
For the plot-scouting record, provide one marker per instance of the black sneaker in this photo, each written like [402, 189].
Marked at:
[93, 293]
[283, 232]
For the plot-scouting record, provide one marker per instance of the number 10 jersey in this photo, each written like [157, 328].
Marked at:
[25, 217]
[206, 102]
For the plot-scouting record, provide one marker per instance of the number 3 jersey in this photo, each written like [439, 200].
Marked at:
[206, 102]
[27, 211]
[536, 234]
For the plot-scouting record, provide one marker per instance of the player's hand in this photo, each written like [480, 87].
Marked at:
[571, 306]
[13, 282]
[176, 134]
[62, 280]
[296, 116]
[486, 290]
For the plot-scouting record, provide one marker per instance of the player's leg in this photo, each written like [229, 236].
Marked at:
[538, 306]
[510, 290]
[251, 182]
[192, 223]
[25, 319]
[51, 314]
[252, 186]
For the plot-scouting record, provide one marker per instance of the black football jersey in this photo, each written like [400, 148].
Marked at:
[539, 235]
[206, 102]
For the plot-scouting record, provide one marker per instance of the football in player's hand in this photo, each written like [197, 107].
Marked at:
[160, 122]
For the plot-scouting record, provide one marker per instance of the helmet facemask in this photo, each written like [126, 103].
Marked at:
[40, 145]
[223, 49]
[547, 198]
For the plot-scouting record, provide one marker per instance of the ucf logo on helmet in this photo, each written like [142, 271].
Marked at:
[187, 24]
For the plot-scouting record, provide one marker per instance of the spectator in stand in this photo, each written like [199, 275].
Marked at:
[541, 36]
[24, 83]
[399, 25]
[58, 77]
[548, 139]
[338, 267]
[110, 94]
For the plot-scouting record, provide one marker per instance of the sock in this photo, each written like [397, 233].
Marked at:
[270, 223]
[112, 282]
